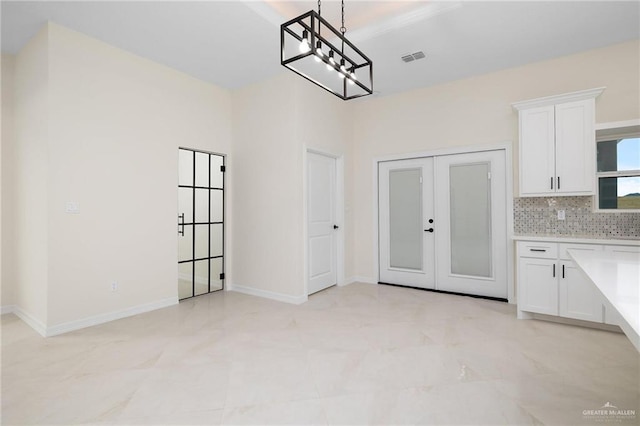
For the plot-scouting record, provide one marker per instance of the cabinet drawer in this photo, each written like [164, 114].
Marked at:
[537, 249]
[622, 249]
[564, 254]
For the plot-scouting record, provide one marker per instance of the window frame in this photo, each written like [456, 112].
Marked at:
[607, 132]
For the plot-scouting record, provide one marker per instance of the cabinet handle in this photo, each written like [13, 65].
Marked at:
[541, 250]
[551, 182]
[558, 182]
[562, 271]
[554, 270]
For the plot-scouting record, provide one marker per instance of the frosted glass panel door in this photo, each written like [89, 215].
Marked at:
[472, 230]
[406, 222]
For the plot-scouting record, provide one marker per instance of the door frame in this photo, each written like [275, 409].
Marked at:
[507, 147]
[339, 215]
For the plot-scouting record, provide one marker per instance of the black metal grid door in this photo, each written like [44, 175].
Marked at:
[200, 222]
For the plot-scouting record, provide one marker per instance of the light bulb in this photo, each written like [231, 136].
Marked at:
[342, 67]
[353, 75]
[340, 75]
[319, 53]
[304, 44]
[351, 82]
[331, 61]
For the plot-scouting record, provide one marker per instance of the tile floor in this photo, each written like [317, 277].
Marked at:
[360, 354]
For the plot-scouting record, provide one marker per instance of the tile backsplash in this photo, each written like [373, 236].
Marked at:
[539, 216]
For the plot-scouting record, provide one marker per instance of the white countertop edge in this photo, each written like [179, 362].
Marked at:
[591, 264]
[578, 240]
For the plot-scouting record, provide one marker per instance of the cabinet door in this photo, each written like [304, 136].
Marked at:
[537, 156]
[579, 298]
[575, 147]
[537, 286]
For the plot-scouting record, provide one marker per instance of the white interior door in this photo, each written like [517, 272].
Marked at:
[406, 222]
[321, 222]
[472, 223]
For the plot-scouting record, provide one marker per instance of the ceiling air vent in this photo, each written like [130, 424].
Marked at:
[413, 56]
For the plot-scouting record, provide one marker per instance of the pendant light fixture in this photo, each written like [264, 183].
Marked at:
[315, 50]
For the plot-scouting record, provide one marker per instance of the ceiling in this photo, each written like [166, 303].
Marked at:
[236, 43]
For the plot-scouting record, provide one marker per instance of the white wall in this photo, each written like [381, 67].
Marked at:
[325, 124]
[274, 122]
[7, 159]
[115, 124]
[477, 111]
[29, 182]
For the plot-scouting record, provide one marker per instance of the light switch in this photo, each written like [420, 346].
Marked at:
[560, 214]
[72, 207]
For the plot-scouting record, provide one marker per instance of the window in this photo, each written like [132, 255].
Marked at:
[618, 159]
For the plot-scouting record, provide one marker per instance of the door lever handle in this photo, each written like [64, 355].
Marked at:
[428, 230]
[336, 227]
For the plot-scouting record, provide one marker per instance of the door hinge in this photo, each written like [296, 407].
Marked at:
[420, 179]
[223, 169]
[222, 276]
[489, 175]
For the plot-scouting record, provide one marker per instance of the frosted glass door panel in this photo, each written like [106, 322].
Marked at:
[470, 218]
[405, 219]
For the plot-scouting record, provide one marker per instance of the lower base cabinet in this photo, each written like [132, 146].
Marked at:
[537, 286]
[550, 283]
[579, 298]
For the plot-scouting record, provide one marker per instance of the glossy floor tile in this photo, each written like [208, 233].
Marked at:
[359, 354]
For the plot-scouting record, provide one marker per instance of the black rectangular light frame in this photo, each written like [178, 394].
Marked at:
[313, 29]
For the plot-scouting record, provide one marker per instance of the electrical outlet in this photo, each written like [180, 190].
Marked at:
[561, 215]
[114, 286]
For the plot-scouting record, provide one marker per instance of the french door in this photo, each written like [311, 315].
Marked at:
[200, 222]
[472, 233]
[442, 223]
[407, 249]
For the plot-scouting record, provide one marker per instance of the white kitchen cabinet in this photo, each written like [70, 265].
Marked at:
[557, 144]
[578, 298]
[537, 286]
[550, 283]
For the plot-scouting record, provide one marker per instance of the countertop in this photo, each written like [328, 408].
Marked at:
[576, 240]
[617, 277]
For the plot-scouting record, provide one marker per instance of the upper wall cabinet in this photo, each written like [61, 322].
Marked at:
[557, 144]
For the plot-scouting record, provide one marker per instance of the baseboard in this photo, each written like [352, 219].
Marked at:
[296, 300]
[7, 309]
[29, 319]
[571, 321]
[111, 316]
[359, 279]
